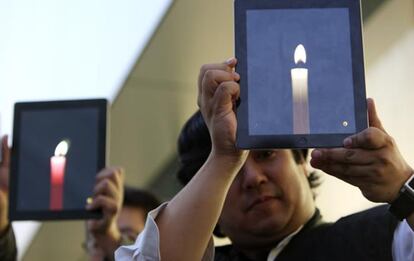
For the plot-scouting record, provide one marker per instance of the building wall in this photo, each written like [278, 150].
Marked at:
[160, 93]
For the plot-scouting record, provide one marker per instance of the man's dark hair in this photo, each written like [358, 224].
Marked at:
[194, 146]
[139, 198]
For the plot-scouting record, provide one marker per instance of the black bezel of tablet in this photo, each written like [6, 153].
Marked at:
[101, 106]
[247, 141]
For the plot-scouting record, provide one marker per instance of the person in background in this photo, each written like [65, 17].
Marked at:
[121, 223]
[8, 251]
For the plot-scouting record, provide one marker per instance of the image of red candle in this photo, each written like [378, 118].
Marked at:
[57, 175]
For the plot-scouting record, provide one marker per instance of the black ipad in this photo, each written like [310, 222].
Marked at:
[302, 73]
[58, 148]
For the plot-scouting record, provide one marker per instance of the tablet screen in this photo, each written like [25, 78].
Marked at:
[301, 66]
[299, 71]
[58, 148]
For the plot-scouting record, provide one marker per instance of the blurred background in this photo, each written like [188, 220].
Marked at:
[144, 57]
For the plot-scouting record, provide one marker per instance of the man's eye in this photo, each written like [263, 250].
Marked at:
[265, 154]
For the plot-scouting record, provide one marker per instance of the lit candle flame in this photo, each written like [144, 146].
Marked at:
[62, 148]
[300, 54]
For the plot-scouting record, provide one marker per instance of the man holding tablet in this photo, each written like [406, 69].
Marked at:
[262, 200]
[299, 84]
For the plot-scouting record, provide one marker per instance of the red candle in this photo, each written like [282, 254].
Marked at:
[57, 166]
[57, 175]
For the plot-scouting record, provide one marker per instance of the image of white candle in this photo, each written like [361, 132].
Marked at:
[57, 175]
[300, 93]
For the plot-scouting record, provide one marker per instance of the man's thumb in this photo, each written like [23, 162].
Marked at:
[373, 118]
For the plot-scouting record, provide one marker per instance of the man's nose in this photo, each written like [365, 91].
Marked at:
[253, 175]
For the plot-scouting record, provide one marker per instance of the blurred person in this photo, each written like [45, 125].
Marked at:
[120, 225]
[109, 182]
[8, 249]
[262, 199]
[135, 208]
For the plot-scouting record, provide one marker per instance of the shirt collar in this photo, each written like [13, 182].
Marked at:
[313, 221]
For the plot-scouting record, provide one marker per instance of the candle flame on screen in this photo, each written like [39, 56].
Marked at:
[62, 148]
[300, 54]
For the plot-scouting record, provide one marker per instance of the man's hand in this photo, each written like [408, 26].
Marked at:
[108, 196]
[218, 92]
[4, 184]
[369, 160]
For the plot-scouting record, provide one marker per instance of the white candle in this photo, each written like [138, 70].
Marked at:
[300, 93]
[57, 175]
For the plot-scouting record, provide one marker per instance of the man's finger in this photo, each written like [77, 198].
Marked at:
[343, 156]
[371, 138]
[346, 171]
[115, 174]
[226, 93]
[374, 120]
[213, 78]
[108, 188]
[226, 66]
[107, 204]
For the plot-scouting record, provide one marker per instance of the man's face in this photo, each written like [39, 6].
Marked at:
[269, 199]
[131, 221]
